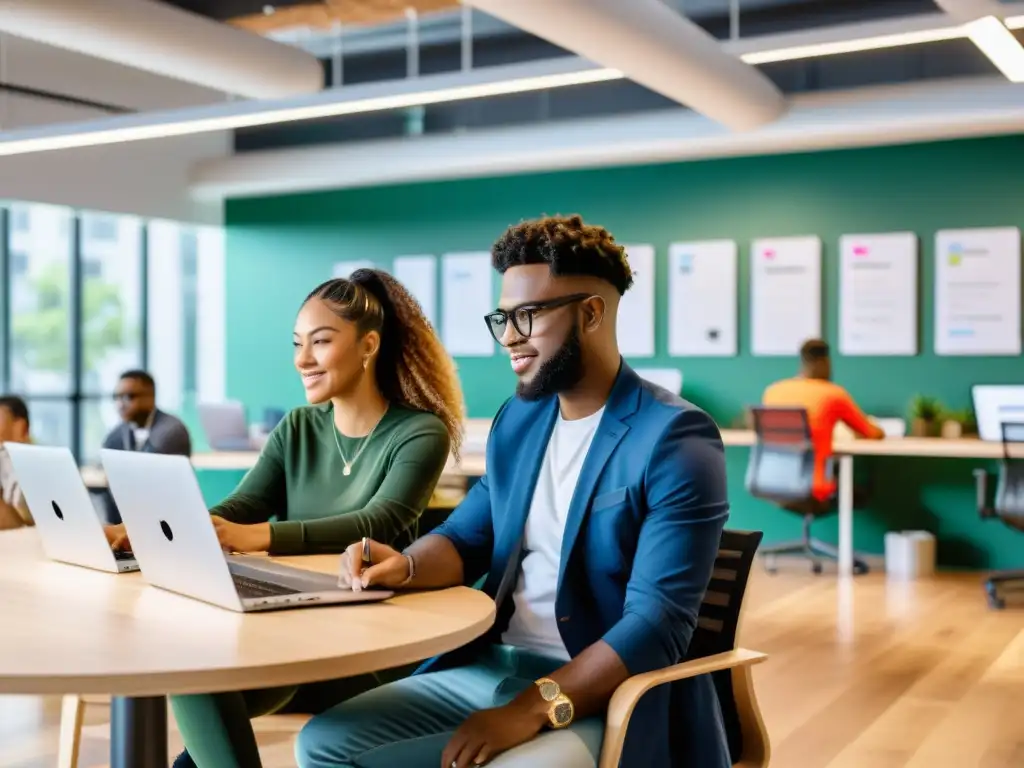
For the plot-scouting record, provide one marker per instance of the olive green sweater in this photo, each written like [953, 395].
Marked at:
[298, 481]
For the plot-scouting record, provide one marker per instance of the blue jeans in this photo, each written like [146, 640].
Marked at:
[408, 723]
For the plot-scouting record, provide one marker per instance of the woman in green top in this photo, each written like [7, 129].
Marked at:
[362, 460]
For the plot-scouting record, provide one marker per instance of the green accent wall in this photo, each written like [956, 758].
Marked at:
[279, 248]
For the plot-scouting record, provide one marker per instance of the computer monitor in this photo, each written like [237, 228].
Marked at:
[995, 404]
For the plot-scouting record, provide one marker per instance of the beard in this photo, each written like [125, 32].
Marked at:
[562, 371]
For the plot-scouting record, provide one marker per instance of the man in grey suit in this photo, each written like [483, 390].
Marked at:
[143, 427]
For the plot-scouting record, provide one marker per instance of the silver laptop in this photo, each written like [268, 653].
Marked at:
[174, 540]
[226, 427]
[68, 523]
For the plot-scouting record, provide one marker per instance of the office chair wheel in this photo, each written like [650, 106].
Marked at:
[996, 602]
[769, 565]
[860, 568]
[816, 567]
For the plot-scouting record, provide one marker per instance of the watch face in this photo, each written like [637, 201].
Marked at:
[548, 690]
[562, 713]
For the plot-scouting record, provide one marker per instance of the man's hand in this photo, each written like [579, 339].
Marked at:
[488, 733]
[389, 568]
[235, 537]
[117, 536]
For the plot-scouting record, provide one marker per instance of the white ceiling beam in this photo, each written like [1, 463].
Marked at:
[983, 23]
[654, 46]
[159, 38]
[821, 121]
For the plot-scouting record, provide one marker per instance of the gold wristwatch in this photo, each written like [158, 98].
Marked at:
[561, 711]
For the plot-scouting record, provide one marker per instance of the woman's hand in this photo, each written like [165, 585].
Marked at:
[117, 537]
[235, 537]
[389, 568]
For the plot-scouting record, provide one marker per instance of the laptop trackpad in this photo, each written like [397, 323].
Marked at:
[297, 578]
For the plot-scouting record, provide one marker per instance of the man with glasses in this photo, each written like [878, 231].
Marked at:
[143, 427]
[595, 530]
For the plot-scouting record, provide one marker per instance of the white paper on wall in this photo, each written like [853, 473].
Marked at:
[636, 310]
[977, 292]
[702, 304]
[785, 294]
[419, 276]
[878, 294]
[468, 295]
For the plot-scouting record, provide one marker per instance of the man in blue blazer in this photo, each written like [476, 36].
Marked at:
[595, 530]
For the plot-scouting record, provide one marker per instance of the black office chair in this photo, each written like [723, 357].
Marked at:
[1007, 505]
[781, 470]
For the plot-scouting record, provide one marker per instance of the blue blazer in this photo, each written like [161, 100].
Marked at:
[639, 546]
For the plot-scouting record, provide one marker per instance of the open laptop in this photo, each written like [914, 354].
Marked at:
[174, 540]
[67, 521]
[226, 427]
[996, 404]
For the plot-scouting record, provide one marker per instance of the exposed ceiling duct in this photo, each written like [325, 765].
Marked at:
[167, 41]
[655, 47]
[863, 117]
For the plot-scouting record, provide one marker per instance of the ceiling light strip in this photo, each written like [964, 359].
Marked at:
[165, 125]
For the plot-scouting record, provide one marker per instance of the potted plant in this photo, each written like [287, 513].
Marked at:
[924, 413]
[959, 423]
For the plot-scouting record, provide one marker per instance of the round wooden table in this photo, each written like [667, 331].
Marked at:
[71, 630]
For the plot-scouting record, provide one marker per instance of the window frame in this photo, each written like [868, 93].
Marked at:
[77, 397]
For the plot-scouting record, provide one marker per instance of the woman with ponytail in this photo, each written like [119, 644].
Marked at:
[361, 460]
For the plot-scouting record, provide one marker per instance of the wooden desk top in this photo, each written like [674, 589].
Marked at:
[473, 461]
[67, 629]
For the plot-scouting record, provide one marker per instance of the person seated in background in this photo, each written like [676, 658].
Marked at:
[362, 459]
[826, 403]
[14, 428]
[597, 526]
[144, 427]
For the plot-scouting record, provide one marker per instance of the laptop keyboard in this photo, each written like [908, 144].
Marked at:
[121, 555]
[256, 588]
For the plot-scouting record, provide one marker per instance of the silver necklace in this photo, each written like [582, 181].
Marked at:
[348, 464]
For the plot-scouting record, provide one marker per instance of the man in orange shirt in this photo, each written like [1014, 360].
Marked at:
[826, 404]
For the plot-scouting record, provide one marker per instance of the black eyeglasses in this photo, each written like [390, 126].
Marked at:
[521, 317]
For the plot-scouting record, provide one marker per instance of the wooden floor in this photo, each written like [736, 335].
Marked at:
[867, 674]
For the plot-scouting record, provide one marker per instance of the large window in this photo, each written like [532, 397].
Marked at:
[39, 274]
[90, 295]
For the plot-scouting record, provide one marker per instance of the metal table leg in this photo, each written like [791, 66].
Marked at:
[138, 732]
[846, 515]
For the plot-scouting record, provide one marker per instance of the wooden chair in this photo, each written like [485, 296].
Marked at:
[71, 715]
[712, 651]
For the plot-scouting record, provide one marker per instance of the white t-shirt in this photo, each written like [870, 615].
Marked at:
[534, 625]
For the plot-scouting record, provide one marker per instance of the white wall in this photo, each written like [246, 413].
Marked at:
[144, 178]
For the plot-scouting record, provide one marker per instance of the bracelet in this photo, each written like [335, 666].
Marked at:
[412, 569]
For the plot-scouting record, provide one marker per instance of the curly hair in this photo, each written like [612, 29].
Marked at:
[567, 246]
[413, 368]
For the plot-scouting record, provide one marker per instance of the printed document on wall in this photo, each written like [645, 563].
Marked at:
[977, 291]
[636, 310]
[785, 294]
[419, 275]
[878, 294]
[467, 295]
[702, 299]
[346, 268]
